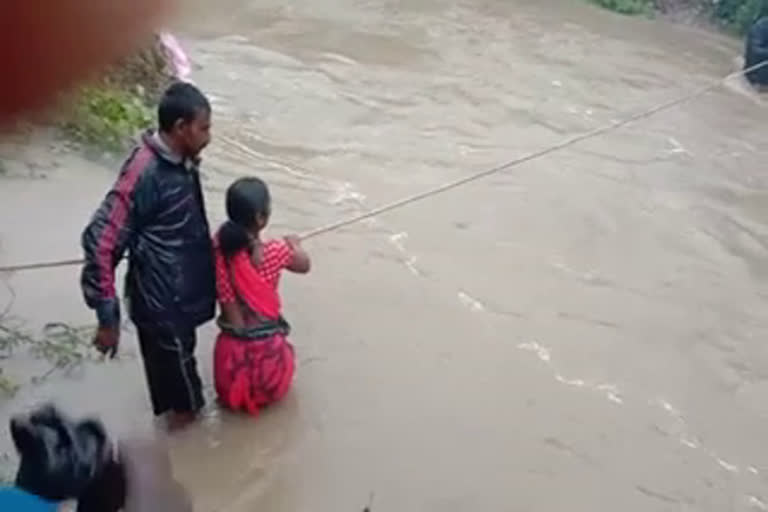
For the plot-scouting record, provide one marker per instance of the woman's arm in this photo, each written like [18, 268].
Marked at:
[300, 262]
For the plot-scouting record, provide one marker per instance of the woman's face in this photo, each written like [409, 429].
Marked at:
[262, 219]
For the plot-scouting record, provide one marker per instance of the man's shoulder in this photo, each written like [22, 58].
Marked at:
[140, 160]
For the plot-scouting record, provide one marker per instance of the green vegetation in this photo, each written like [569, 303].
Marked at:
[63, 347]
[739, 15]
[632, 7]
[107, 117]
[734, 15]
[109, 111]
[7, 387]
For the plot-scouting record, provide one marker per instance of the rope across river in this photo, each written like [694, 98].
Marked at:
[567, 142]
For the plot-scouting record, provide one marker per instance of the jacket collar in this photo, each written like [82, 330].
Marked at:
[153, 140]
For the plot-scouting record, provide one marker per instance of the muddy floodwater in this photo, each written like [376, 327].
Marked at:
[584, 332]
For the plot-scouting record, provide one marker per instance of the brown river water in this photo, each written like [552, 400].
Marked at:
[585, 331]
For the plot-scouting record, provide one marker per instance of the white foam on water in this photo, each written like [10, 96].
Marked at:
[411, 264]
[347, 193]
[741, 86]
[757, 503]
[611, 392]
[677, 148]
[671, 409]
[688, 442]
[470, 302]
[543, 353]
[234, 38]
[398, 240]
[342, 59]
[588, 276]
[731, 468]
[687, 439]
[577, 383]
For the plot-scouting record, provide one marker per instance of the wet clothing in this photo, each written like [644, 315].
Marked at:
[156, 212]
[171, 368]
[13, 499]
[254, 364]
[756, 51]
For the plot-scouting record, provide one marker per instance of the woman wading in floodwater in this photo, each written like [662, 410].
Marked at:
[253, 360]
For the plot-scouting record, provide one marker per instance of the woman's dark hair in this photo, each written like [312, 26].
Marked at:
[247, 198]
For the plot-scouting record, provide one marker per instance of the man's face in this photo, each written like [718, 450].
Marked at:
[195, 134]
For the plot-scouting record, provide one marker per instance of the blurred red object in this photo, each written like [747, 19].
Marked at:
[47, 46]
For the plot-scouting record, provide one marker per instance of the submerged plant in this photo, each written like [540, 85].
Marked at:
[64, 347]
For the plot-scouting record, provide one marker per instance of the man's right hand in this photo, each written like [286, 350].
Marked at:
[107, 340]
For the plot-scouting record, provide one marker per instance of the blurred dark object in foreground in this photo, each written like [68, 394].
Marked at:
[63, 459]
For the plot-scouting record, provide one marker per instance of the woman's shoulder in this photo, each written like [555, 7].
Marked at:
[276, 251]
[274, 244]
[276, 247]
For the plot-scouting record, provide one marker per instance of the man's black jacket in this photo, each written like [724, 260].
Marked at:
[156, 211]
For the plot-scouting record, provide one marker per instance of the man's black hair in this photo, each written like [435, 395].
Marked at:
[180, 101]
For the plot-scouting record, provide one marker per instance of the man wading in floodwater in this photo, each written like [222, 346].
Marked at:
[156, 211]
